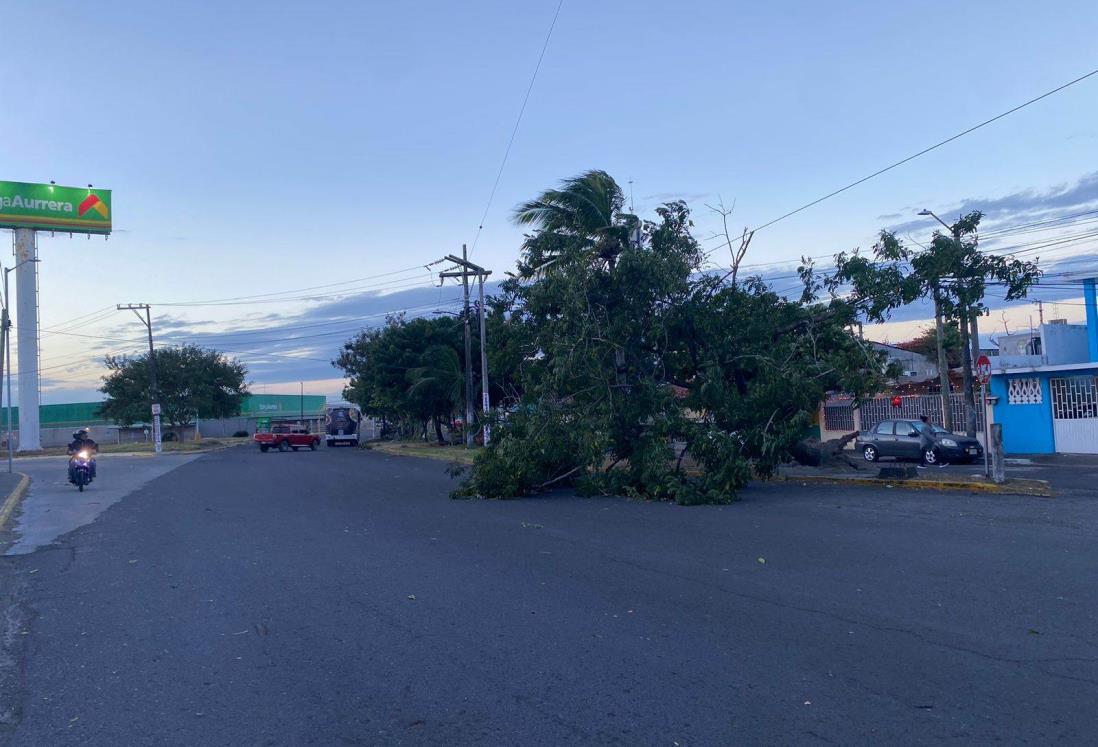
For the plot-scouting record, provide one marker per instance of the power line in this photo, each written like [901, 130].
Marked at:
[399, 284]
[298, 290]
[924, 151]
[514, 132]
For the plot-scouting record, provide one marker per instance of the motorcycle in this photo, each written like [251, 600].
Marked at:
[81, 469]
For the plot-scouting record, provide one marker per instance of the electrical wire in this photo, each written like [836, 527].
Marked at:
[924, 151]
[514, 131]
[241, 299]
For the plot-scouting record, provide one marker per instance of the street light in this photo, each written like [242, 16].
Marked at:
[949, 228]
[5, 325]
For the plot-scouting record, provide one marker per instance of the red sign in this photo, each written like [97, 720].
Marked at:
[983, 369]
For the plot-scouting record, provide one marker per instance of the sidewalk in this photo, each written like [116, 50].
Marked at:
[962, 479]
[1055, 460]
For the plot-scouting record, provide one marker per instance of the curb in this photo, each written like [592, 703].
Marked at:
[1034, 488]
[13, 499]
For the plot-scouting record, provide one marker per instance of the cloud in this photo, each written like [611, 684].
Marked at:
[300, 346]
[1016, 207]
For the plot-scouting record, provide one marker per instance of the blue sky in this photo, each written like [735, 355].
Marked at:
[261, 147]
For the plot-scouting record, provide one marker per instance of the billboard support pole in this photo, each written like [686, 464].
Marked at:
[26, 288]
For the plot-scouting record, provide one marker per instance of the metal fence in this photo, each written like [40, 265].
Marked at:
[839, 414]
[913, 407]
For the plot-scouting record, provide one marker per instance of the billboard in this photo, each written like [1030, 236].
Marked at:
[51, 207]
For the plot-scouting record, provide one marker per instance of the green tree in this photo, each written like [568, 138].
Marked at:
[192, 381]
[638, 374]
[926, 343]
[408, 371]
[952, 270]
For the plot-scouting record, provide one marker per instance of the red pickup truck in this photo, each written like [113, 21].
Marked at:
[286, 437]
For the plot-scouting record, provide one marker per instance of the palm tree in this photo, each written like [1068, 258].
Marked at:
[437, 384]
[586, 207]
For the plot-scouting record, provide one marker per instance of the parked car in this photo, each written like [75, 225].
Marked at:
[902, 439]
[287, 436]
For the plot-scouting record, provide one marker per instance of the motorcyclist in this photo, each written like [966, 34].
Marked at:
[82, 441]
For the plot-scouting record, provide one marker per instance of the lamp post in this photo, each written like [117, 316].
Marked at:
[5, 326]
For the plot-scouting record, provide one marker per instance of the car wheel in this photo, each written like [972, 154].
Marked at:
[283, 446]
[870, 453]
[313, 445]
[264, 448]
[930, 456]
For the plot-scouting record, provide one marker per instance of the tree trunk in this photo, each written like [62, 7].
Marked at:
[966, 366]
[438, 430]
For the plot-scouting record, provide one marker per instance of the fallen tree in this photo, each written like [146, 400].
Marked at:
[628, 346]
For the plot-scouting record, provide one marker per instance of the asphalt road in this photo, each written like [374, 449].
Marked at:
[340, 597]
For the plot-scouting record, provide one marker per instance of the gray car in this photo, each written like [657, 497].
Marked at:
[905, 439]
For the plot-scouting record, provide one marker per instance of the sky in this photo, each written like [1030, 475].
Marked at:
[330, 153]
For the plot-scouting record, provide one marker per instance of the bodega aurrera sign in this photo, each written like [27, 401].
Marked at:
[50, 207]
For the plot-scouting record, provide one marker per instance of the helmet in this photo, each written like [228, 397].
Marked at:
[82, 433]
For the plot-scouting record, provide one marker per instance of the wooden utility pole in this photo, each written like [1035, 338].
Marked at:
[154, 393]
[466, 270]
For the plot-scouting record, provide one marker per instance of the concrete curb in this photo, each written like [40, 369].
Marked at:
[1034, 488]
[14, 498]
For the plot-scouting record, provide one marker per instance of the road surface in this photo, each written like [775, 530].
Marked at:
[340, 597]
[53, 506]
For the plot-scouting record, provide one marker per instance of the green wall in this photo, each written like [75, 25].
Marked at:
[75, 414]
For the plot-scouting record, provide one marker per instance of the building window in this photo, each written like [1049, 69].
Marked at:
[1024, 392]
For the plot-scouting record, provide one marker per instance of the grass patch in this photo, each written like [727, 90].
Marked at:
[430, 451]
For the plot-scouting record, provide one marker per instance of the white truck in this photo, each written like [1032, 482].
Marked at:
[341, 425]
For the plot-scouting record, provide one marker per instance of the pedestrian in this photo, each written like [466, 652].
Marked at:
[927, 444]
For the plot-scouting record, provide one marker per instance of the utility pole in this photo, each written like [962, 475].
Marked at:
[484, 402]
[154, 393]
[1041, 311]
[466, 270]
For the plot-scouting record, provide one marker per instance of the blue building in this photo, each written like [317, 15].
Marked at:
[1044, 386]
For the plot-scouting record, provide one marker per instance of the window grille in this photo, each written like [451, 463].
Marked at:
[1074, 398]
[1024, 392]
[839, 417]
